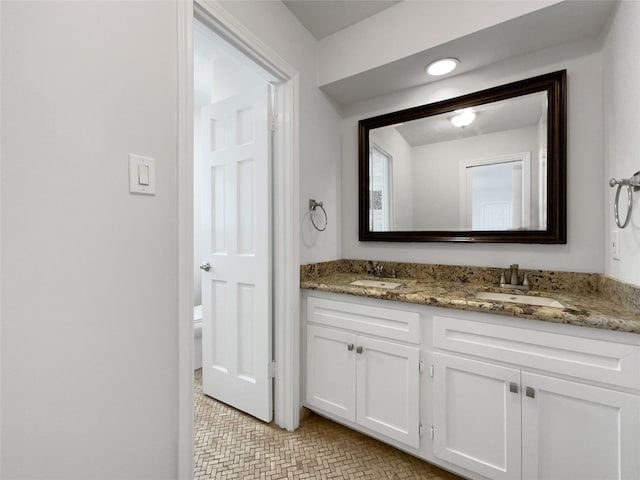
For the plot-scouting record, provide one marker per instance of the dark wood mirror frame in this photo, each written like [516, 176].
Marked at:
[555, 86]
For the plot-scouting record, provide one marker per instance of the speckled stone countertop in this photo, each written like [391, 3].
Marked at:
[590, 300]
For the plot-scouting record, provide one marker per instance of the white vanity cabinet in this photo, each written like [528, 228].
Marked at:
[498, 397]
[476, 419]
[575, 430]
[331, 371]
[509, 423]
[372, 382]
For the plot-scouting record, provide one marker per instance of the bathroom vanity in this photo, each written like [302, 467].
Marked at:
[481, 387]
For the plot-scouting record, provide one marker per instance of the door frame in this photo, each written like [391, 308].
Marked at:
[285, 227]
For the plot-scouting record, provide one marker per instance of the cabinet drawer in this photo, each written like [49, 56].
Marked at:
[383, 322]
[596, 360]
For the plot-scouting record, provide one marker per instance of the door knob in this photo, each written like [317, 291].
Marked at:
[206, 266]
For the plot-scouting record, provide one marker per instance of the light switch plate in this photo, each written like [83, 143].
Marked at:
[614, 244]
[142, 175]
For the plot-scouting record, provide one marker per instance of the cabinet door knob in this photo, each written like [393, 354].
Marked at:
[513, 387]
[350, 347]
[530, 392]
[359, 349]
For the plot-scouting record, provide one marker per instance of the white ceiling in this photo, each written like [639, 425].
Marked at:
[561, 23]
[324, 17]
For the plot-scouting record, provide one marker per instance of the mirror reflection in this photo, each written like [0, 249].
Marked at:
[482, 168]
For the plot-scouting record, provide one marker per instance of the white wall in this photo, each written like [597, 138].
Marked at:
[89, 294]
[585, 194]
[621, 133]
[276, 26]
[436, 172]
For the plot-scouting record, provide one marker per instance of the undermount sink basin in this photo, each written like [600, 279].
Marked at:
[526, 299]
[375, 283]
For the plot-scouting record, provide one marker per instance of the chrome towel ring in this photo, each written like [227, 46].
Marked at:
[632, 184]
[312, 209]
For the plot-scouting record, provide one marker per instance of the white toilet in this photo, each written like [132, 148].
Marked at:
[197, 337]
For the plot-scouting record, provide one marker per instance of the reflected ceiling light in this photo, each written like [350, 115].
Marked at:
[464, 118]
[442, 66]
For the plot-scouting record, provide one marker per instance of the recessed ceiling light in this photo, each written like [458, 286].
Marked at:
[464, 118]
[442, 66]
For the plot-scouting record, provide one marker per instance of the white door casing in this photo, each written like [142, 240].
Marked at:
[236, 296]
[477, 416]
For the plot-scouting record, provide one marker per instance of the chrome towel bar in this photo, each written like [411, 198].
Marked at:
[313, 204]
[632, 184]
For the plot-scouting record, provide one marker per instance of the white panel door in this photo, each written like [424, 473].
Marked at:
[477, 416]
[388, 389]
[236, 292]
[331, 371]
[571, 430]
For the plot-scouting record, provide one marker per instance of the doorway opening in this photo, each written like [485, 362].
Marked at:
[232, 184]
[246, 213]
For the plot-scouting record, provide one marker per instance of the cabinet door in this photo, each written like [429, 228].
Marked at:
[477, 416]
[388, 389]
[331, 371]
[572, 430]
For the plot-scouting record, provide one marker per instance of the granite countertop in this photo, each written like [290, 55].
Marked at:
[587, 310]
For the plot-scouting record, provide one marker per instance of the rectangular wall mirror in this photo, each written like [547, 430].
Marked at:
[485, 167]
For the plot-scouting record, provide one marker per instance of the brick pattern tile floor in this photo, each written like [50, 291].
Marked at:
[229, 444]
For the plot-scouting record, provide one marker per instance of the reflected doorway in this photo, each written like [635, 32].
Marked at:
[495, 193]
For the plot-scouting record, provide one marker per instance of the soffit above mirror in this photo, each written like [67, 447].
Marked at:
[557, 24]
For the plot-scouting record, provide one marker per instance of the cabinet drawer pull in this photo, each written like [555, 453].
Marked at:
[350, 347]
[513, 387]
[359, 349]
[530, 392]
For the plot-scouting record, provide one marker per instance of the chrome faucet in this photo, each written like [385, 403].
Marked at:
[513, 273]
[381, 271]
[513, 279]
